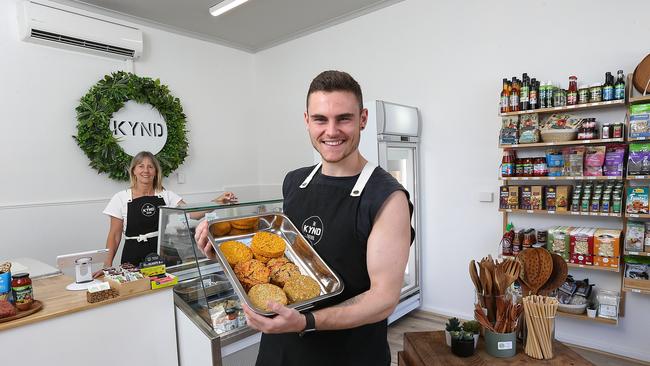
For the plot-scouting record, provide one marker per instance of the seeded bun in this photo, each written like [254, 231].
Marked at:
[301, 288]
[261, 294]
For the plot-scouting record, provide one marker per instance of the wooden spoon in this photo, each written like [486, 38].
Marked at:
[477, 282]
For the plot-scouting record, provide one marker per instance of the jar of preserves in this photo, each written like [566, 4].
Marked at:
[595, 93]
[540, 169]
[583, 95]
[21, 287]
[528, 167]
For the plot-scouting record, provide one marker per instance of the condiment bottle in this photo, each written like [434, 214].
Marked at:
[542, 95]
[608, 87]
[572, 92]
[505, 97]
[533, 94]
[619, 87]
[550, 90]
[508, 163]
[524, 102]
[514, 95]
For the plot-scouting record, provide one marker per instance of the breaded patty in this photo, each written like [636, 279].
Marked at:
[261, 294]
[268, 244]
[283, 273]
[220, 228]
[261, 258]
[236, 252]
[252, 272]
[245, 224]
[300, 288]
[275, 263]
[235, 231]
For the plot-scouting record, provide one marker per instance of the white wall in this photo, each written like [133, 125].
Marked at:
[448, 58]
[50, 200]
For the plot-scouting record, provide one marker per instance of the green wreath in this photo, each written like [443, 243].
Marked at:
[108, 96]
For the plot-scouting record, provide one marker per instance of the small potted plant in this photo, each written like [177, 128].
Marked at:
[474, 328]
[453, 325]
[591, 310]
[462, 343]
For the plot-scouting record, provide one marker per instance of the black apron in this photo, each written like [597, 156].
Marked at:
[141, 223]
[327, 217]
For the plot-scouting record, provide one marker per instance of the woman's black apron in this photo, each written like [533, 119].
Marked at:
[141, 234]
[327, 216]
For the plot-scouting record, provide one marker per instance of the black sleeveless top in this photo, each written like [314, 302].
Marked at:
[338, 226]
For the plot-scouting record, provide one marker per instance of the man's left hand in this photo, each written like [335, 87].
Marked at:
[286, 321]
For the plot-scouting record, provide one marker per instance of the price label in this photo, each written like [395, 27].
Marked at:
[551, 212]
[551, 178]
[634, 253]
[633, 215]
[529, 211]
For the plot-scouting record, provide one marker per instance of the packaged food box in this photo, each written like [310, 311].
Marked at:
[582, 246]
[503, 197]
[563, 195]
[513, 197]
[637, 200]
[559, 240]
[640, 125]
[537, 198]
[526, 193]
[634, 236]
[130, 287]
[609, 262]
[607, 248]
[551, 198]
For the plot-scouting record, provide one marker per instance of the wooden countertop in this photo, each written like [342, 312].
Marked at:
[430, 349]
[58, 301]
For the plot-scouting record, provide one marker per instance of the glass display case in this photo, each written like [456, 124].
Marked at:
[204, 296]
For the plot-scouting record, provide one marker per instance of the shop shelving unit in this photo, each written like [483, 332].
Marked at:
[548, 180]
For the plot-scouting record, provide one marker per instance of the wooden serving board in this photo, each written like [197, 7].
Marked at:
[36, 306]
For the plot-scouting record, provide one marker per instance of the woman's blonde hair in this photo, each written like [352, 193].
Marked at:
[137, 159]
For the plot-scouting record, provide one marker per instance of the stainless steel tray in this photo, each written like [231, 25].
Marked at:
[298, 250]
[214, 284]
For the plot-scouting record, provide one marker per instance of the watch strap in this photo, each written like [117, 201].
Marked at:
[310, 323]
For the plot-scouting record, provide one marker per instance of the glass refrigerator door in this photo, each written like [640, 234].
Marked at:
[399, 159]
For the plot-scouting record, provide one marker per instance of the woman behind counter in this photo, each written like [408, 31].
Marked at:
[135, 212]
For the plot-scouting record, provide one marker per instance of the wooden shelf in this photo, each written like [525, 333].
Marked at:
[595, 268]
[637, 216]
[611, 103]
[633, 139]
[563, 143]
[636, 290]
[585, 317]
[559, 213]
[640, 100]
[640, 254]
[600, 177]
[638, 177]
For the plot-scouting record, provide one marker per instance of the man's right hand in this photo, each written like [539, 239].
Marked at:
[201, 237]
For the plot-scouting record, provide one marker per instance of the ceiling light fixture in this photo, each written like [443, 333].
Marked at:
[224, 6]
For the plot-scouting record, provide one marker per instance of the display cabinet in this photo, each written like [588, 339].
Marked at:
[211, 326]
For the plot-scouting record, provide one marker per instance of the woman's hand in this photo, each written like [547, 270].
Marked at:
[226, 197]
[201, 237]
[287, 320]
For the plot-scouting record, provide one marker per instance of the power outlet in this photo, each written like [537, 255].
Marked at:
[181, 177]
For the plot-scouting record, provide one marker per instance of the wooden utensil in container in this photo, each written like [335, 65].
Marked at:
[537, 267]
[558, 276]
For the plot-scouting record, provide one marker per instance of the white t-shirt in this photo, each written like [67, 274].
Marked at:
[117, 207]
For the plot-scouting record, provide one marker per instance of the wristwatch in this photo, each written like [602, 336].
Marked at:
[310, 324]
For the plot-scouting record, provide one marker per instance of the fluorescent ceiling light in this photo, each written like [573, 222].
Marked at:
[224, 6]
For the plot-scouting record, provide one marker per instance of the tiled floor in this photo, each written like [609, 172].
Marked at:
[421, 321]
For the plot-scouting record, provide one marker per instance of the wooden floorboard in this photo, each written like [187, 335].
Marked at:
[422, 321]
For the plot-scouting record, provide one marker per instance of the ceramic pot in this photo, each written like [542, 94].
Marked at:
[500, 344]
[462, 348]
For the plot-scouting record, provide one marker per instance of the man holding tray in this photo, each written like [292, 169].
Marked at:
[357, 217]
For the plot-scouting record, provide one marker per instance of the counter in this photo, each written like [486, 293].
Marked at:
[141, 326]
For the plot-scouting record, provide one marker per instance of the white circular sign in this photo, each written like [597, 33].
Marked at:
[139, 127]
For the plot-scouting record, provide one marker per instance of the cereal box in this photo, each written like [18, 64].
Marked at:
[537, 198]
[504, 192]
[582, 246]
[563, 196]
[550, 198]
[513, 197]
[607, 248]
[524, 202]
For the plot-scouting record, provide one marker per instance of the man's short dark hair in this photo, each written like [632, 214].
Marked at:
[332, 80]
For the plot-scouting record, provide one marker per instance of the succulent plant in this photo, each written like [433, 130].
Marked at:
[453, 324]
[472, 326]
[462, 336]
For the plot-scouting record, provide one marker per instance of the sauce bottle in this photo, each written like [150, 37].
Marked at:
[550, 90]
[572, 93]
[508, 163]
[505, 97]
[608, 87]
[524, 102]
[533, 94]
[514, 96]
[619, 87]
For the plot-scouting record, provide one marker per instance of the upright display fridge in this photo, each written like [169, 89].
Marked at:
[391, 140]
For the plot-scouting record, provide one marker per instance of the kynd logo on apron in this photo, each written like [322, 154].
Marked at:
[148, 209]
[312, 229]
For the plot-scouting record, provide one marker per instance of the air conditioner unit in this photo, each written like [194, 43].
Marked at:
[54, 25]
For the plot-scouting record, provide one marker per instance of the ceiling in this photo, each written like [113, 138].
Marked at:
[253, 26]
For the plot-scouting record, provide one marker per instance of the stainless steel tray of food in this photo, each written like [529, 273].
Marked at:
[297, 250]
[213, 284]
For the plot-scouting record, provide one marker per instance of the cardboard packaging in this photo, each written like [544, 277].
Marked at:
[607, 248]
[513, 198]
[582, 246]
[550, 198]
[559, 241]
[524, 202]
[563, 197]
[537, 201]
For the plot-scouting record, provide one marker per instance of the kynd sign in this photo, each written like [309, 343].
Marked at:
[124, 114]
